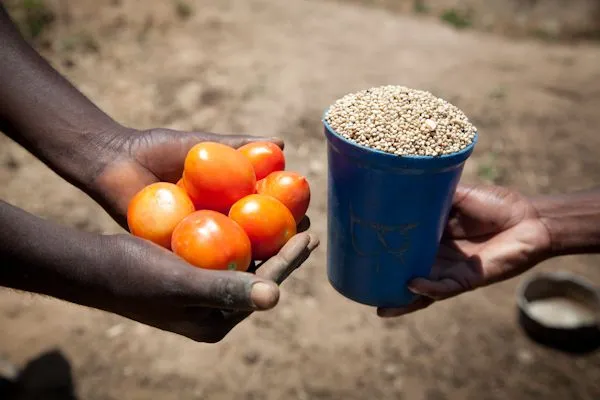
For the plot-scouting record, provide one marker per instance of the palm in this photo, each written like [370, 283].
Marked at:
[145, 157]
[158, 155]
[493, 234]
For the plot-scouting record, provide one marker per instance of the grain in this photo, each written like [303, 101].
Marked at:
[401, 121]
[561, 313]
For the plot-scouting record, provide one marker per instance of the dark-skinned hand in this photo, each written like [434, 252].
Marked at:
[493, 234]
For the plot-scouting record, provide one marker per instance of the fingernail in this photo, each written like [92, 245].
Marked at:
[264, 296]
[415, 291]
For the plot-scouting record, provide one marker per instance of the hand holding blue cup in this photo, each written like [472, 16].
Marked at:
[386, 216]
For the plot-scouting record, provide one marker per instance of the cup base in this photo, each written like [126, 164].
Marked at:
[371, 302]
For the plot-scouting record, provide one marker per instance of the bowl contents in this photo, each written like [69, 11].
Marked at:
[402, 121]
[561, 312]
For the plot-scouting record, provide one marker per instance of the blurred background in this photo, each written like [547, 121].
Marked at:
[527, 72]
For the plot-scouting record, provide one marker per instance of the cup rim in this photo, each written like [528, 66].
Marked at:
[444, 158]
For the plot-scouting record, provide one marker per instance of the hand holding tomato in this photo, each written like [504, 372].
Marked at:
[153, 286]
[213, 216]
[134, 159]
[139, 279]
[160, 288]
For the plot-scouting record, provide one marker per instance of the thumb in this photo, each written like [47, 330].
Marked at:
[228, 290]
[244, 291]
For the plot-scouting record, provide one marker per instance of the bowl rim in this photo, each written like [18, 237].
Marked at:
[559, 276]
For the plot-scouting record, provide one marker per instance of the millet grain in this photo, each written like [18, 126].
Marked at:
[401, 121]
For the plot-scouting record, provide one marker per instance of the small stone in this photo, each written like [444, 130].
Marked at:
[115, 330]
[390, 369]
[525, 356]
[251, 357]
[430, 125]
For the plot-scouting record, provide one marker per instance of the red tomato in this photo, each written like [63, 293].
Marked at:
[211, 240]
[290, 188]
[155, 210]
[216, 176]
[265, 157]
[268, 223]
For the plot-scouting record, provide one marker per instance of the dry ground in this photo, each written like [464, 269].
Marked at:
[270, 68]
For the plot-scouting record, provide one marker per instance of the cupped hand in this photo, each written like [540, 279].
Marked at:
[493, 234]
[136, 159]
[151, 285]
[201, 304]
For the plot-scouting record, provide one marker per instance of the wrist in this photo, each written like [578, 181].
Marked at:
[41, 110]
[46, 258]
[92, 152]
[572, 221]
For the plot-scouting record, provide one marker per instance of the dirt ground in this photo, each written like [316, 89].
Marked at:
[270, 68]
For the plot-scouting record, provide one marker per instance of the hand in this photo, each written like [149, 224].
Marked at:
[140, 158]
[154, 287]
[493, 234]
[137, 279]
[136, 159]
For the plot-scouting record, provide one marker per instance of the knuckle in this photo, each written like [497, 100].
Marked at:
[226, 290]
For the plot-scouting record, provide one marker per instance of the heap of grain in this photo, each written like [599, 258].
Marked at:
[401, 121]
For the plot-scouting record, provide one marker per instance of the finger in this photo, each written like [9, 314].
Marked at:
[236, 141]
[455, 227]
[294, 253]
[419, 304]
[461, 192]
[228, 290]
[291, 256]
[276, 269]
[479, 211]
[245, 291]
[437, 290]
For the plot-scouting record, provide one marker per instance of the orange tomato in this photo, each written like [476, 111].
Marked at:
[268, 223]
[155, 210]
[216, 176]
[290, 188]
[265, 157]
[211, 240]
[180, 183]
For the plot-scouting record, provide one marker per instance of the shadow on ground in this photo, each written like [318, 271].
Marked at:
[46, 377]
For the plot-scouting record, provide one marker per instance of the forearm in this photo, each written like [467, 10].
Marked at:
[43, 112]
[572, 220]
[46, 258]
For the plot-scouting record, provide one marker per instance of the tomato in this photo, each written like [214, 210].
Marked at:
[266, 157]
[290, 188]
[180, 183]
[211, 240]
[216, 176]
[268, 223]
[155, 210]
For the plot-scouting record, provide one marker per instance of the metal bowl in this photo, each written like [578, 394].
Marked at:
[560, 310]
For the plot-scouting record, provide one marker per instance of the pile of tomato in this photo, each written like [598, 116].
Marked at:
[231, 206]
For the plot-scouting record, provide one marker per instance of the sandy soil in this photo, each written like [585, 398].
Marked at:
[270, 68]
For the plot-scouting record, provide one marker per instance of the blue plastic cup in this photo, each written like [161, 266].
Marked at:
[386, 216]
